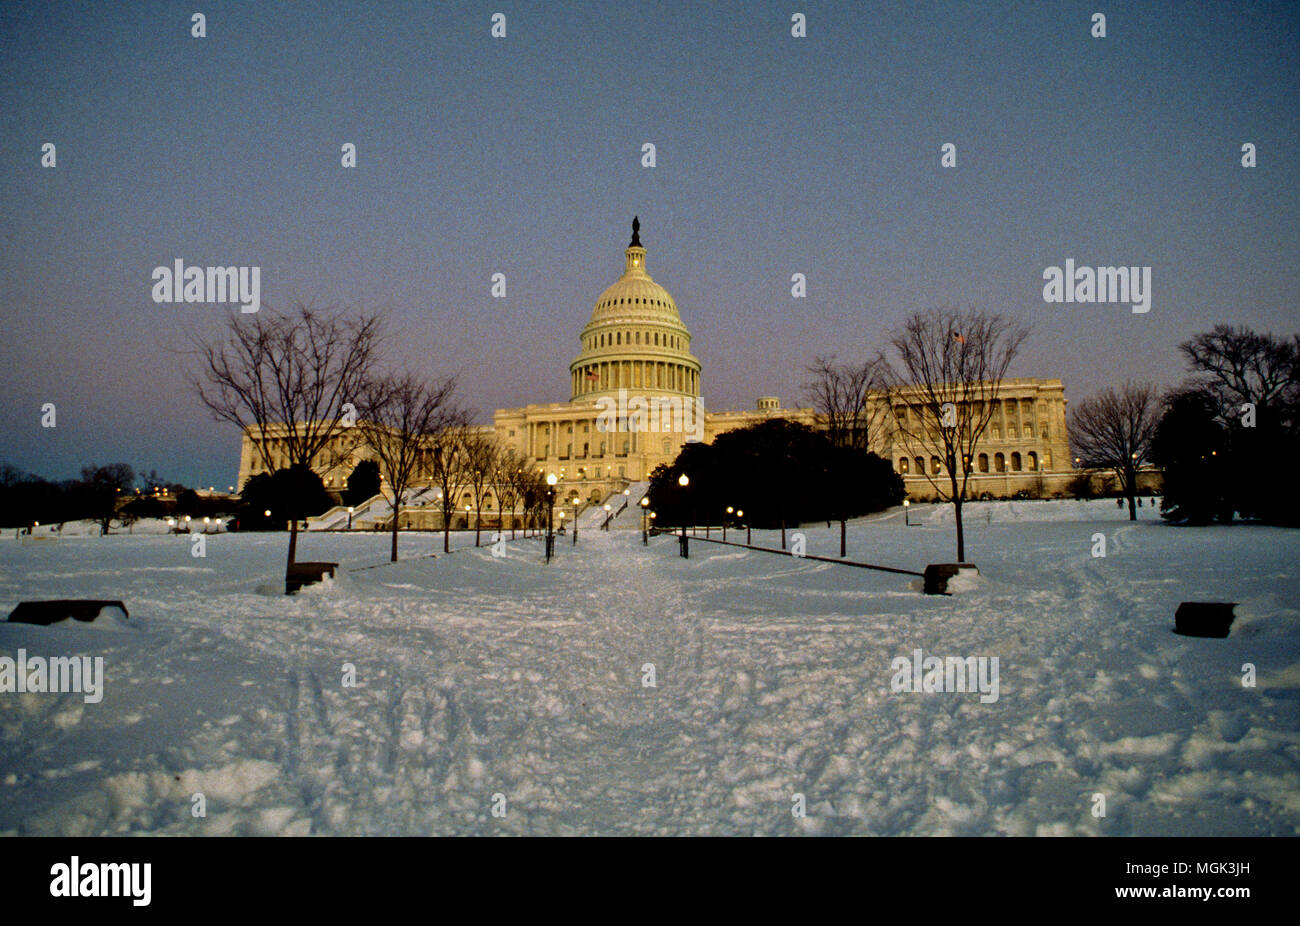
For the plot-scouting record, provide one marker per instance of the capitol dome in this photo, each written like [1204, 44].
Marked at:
[635, 339]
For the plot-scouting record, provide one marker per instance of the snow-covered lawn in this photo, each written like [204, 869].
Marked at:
[479, 676]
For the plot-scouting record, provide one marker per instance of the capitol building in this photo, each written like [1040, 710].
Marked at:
[635, 400]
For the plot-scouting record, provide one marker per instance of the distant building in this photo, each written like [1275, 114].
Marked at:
[634, 401]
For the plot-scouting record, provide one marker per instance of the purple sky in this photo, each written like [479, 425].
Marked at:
[522, 156]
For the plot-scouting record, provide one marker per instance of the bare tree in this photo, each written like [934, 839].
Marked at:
[398, 416]
[481, 450]
[1239, 367]
[284, 379]
[103, 488]
[508, 467]
[839, 394]
[951, 366]
[1113, 430]
[447, 451]
[529, 489]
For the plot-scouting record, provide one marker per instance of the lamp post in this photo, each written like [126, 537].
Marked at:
[551, 480]
[605, 524]
[684, 481]
[575, 522]
[907, 513]
[724, 523]
[741, 516]
[645, 521]
[350, 510]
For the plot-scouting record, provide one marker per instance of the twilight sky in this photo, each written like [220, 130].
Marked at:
[522, 156]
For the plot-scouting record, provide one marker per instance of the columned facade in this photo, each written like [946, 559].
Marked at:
[634, 401]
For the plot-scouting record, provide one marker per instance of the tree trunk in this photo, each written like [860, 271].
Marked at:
[961, 534]
[393, 552]
[446, 531]
[478, 523]
[843, 547]
[783, 533]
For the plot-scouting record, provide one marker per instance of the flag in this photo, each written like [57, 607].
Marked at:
[593, 376]
[958, 337]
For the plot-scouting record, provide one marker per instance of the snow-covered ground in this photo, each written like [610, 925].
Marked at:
[479, 676]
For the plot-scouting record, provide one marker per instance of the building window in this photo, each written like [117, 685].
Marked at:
[1015, 462]
[1033, 461]
[667, 446]
[902, 465]
[999, 463]
[934, 466]
[984, 463]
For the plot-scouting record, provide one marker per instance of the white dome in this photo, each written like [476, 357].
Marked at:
[635, 336]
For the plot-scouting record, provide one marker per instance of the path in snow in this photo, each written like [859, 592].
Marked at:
[479, 676]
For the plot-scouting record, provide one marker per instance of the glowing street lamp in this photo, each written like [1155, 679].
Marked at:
[575, 521]
[907, 512]
[350, 510]
[724, 523]
[645, 522]
[551, 480]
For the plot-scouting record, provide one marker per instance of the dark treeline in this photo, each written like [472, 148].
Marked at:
[1230, 435]
[106, 494]
[779, 473]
